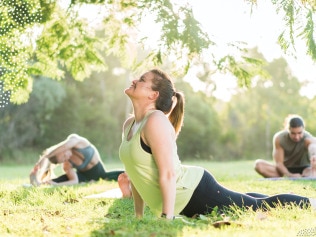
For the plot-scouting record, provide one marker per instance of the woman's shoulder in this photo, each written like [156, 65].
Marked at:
[157, 118]
[158, 121]
[78, 141]
[156, 115]
[74, 136]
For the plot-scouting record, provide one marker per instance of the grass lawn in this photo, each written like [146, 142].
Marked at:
[64, 211]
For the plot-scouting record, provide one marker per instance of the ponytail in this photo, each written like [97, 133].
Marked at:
[176, 115]
[169, 101]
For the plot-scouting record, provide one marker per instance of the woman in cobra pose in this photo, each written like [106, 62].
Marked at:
[80, 160]
[156, 175]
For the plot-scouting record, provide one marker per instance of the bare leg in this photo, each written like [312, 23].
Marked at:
[266, 169]
[125, 185]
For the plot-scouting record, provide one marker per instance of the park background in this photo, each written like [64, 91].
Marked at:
[226, 118]
[64, 65]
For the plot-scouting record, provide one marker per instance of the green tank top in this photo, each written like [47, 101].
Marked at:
[143, 172]
[295, 153]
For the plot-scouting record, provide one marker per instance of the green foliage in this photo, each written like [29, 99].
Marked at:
[179, 26]
[298, 18]
[16, 23]
[241, 69]
[42, 38]
[57, 40]
[66, 44]
[18, 14]
[308, 34]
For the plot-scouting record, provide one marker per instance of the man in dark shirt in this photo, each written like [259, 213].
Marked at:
[290, 151]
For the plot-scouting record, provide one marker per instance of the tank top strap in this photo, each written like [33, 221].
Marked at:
[129, 127]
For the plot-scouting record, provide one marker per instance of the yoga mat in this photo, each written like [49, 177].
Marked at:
[112, 193]
[290, 178]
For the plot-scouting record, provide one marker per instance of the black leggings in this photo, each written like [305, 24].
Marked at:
[210, 194]
[95, 173]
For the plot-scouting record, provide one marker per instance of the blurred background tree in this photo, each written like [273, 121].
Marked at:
[50, 38]
[63, 72]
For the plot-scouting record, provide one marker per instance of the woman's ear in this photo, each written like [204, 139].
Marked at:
[153, 95]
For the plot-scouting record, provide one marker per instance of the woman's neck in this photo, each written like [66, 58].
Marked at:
[140, 113]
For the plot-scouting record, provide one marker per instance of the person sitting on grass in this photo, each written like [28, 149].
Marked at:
[157, 177]
[290, 150]
[80, 160]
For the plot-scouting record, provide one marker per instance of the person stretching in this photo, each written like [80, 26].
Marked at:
[80, 160]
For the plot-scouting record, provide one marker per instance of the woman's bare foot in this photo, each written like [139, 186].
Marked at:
[42, 171]
[124, 185]
[33, 176]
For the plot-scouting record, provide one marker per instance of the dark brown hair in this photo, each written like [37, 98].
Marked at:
[53, 159]
[164, 85]
[293, 121]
